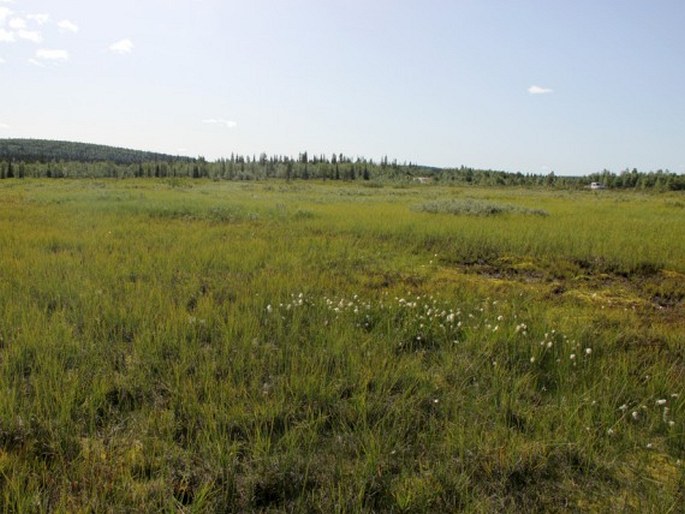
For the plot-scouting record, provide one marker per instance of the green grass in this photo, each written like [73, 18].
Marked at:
[205, 346]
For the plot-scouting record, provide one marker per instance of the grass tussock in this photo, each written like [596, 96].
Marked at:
[473, 207]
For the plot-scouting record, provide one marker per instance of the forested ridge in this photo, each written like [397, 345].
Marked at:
[44, 150]
[27, 158]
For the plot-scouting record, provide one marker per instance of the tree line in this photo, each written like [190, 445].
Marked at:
[663, 180]
[55, 159]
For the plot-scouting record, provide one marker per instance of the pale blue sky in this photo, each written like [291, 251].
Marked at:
[573, 86]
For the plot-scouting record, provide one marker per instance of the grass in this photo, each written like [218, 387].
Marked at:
[204, 346]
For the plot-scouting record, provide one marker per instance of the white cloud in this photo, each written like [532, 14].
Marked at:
[226, 123]
[4, 126]
[17, 23]
[67, 26]
[2, 61]
[5, 13]
[121, 47]
[40, 19]
[537, 90]
[30, 35]
[52, 55]
[37, 63]
[6, 36]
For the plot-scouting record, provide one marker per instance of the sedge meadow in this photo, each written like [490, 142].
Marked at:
[211, 346]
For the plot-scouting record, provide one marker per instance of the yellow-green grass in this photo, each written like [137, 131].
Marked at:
[215, 347]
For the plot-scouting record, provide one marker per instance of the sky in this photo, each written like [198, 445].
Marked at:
[534, 86]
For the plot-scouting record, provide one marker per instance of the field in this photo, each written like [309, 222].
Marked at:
[207, 346]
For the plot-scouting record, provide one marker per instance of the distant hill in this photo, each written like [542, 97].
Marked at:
[44, 150]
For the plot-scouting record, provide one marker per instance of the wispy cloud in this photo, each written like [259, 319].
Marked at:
[6, 36]
[17, 23]
[537, 90]
[52, 55]
[30, 35]
[4, 126]
[218, 121]
[5, 12]
[2, 61]
[125, 46]
[67, 26]
[36, 62]
[40, 18]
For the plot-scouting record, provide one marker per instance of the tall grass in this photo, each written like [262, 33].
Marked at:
[216, 347]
